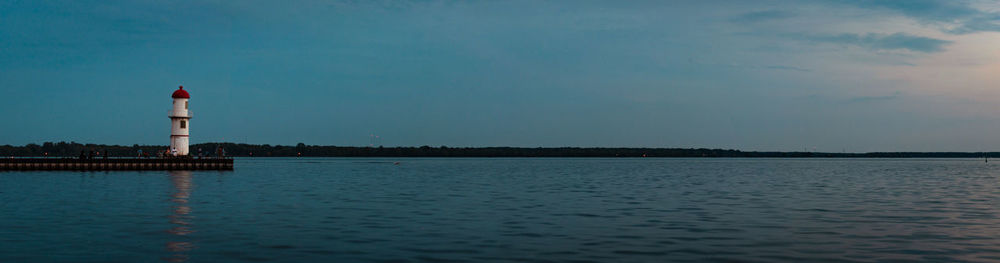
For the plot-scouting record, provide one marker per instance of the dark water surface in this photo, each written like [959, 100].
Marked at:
[515, 210]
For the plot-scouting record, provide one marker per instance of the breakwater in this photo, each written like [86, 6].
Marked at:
[42, 164]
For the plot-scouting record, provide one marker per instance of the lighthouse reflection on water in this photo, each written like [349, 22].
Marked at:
[180, 243]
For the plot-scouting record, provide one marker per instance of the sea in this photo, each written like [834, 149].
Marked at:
[510, 210]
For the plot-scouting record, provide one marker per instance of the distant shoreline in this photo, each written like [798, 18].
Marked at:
[72, 149]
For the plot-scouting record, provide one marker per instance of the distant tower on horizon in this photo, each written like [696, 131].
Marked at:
[180, 122]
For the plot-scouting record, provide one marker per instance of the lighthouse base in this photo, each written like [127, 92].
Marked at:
[179, 143]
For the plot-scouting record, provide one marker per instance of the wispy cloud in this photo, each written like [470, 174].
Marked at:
[955, 16]
[872, 99]
[750, 66]
[761, 16]
[897, 41]
[792, 68]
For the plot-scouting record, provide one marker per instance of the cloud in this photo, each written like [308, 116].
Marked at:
[761, 16]
[871, 99]
[904, 41]
[897, 41]
[751, 66]
[792, 68]
[956, 16]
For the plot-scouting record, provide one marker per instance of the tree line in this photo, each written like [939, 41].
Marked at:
[73, 149]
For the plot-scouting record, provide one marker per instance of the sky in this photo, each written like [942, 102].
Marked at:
[824, 75]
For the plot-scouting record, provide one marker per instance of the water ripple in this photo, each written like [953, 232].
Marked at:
[511, 210]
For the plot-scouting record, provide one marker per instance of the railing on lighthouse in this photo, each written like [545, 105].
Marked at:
[173, 114]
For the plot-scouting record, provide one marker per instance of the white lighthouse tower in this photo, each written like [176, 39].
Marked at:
[180, 123]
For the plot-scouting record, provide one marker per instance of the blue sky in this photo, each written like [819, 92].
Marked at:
[826, 75]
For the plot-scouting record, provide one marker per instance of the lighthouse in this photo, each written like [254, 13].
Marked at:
[180, 124]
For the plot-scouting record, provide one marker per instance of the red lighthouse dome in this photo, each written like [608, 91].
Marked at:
[181, 94]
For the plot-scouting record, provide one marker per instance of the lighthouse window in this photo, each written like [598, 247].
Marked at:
[185, 105]
[183, 124]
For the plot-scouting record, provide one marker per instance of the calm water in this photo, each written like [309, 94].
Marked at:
[516, 210]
